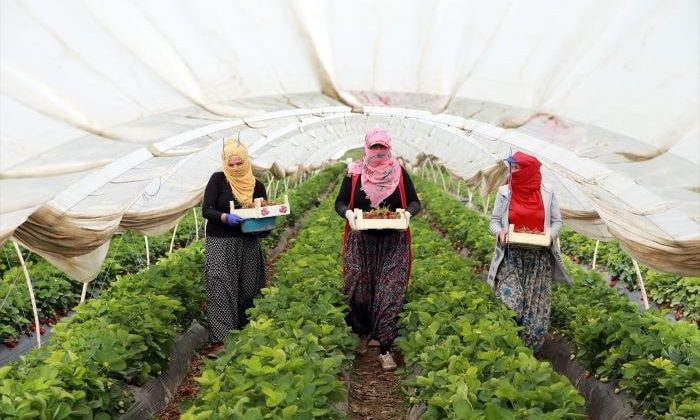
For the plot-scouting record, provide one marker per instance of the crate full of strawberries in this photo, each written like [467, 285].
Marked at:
[381, 219]
[261, 208]
[525, 238]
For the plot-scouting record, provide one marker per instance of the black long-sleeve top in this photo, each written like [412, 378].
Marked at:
[393, 202]
[217, 195]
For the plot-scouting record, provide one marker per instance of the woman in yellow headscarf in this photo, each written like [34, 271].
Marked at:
[235, 265]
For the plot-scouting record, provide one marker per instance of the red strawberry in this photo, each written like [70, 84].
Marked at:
[677, 314]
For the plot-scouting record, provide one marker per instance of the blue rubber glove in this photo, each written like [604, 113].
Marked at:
[233, 219]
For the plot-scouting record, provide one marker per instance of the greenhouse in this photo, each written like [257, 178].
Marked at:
[123, 260]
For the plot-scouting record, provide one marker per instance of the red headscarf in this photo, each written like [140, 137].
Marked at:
[380, 171]
[526, 206]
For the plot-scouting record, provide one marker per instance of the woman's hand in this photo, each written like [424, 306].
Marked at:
[350, 215]
[502, 236]
[231, 219]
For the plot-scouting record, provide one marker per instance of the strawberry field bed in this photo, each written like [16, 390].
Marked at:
[462, 350]
[287, 363]
[653, 358]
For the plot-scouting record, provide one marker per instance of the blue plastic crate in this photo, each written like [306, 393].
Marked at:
[258, 225]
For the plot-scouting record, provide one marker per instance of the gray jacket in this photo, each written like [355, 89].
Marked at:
[552, 218]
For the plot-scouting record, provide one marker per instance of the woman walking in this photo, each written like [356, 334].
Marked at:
[235, 265]
[522, 277]
[376, 263]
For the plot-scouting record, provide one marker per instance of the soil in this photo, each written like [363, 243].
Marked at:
[375, 394]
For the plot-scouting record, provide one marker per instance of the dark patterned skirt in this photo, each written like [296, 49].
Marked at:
[524, 283]
[234, 273]
[375, 281]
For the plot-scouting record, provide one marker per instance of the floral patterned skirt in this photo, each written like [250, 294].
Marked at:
[375, 281]
[524, 284]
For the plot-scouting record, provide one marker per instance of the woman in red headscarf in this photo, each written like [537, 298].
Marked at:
[376, 263]
[522, 277]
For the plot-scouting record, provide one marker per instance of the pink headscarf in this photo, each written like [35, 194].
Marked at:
[380, 172]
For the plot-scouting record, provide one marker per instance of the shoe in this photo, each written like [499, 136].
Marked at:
[373, 343]
[362, 348]
[387, 361]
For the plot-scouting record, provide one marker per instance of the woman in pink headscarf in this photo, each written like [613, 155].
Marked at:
[376, 263]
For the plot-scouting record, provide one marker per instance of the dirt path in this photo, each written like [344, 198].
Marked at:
[189, 388]
[374, 393]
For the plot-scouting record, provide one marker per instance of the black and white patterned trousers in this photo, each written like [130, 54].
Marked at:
[234, 273]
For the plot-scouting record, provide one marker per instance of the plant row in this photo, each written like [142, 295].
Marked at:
[56, 294]
[655, 358]
[120, 338]
[667, 290]
[464, 346]
[304, 197]
[287, 361]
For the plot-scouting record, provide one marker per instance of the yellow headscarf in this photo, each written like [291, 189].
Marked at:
[240, 178]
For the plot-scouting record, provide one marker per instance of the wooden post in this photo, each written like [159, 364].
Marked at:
[31, 294]
[148, 254]
[595, 254]
[172, 240]
[83, 293]
[645, 299]
[196, 223]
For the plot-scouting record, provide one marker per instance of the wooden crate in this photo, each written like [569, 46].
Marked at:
[528, 240]
[259, 212]
[399, 223]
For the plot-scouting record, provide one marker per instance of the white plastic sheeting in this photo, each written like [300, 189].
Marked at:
[111, 114]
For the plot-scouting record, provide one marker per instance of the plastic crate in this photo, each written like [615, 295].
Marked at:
[258, 225]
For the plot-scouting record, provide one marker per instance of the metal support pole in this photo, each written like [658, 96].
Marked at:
[432, 169]
[196, 223]
[31, 294]
[172, 239]
[148, 254]
[645, 299]
[444, 186]
[595, 254]
[83, 293]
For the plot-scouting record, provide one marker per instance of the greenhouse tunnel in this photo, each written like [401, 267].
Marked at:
[113, 115]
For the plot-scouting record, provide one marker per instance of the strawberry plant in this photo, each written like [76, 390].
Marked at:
[120, 338]
[656, 359]
[465, 347]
